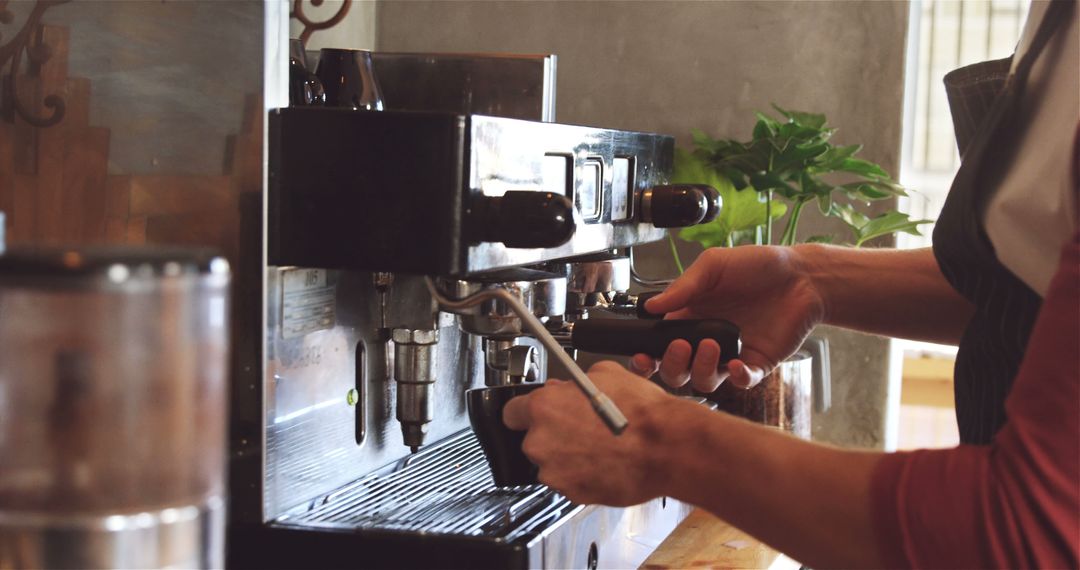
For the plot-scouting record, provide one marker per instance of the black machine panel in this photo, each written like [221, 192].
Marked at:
[447, 194]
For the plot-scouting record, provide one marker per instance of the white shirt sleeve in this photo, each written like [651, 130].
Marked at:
[1033, 211]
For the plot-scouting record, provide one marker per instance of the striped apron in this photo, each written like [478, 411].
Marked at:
[994, 342]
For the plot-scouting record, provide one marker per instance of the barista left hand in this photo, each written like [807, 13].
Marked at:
[577, 454]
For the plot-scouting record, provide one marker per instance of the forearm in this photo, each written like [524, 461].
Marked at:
[899, 293]
[810, 501]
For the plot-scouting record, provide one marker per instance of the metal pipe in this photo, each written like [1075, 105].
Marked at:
[604, 407]
[645, 281]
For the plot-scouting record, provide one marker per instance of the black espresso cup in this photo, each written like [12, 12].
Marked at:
[501, 445]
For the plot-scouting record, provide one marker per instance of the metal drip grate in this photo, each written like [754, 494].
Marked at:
[444, 490]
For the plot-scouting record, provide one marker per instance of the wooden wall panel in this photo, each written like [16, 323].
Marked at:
[52, 141]
[56, 189]
[118, 196]
[25, 141]
[7, 172]
[23, 222]
[86, 159]
[162, 195]
[77, 102]
[135, 230]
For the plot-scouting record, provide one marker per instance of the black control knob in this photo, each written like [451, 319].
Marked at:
[523, 219]
[674, 205]
[712, 196]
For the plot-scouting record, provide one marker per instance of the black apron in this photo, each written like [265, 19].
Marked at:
[997, 335]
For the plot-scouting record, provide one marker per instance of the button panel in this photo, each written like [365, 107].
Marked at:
[591, 189]
[622, 189]
[556, 173]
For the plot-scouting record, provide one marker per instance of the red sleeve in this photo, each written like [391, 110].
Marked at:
[1016, 502]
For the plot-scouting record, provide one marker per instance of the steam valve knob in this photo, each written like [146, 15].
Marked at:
[715, 203]
[674, 205]
[524, 219]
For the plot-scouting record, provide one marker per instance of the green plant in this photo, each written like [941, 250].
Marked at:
[786, 165]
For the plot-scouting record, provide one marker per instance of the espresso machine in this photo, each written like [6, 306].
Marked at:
[419, 252]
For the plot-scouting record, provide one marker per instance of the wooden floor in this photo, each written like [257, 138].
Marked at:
[704, 541]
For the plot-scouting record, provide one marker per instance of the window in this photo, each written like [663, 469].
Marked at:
[943, 35]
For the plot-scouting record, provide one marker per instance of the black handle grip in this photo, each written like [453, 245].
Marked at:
[629, 337]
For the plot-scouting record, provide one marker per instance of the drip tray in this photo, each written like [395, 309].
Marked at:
[440, 508]
[446, 489]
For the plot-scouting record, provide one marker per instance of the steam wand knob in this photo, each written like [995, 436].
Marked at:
[680, 205]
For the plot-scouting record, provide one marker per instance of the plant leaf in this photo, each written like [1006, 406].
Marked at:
[863, 191]
[745, 237]
[862, 168]
[763, 181]
[888, 223]
[820, 239]
[699, 138]
[824, 203]
[855, 220]
[741, 210]
[872, 190]
[812, 120]
[798, 155]
[803, 134]
[791, 158]
[832, 158]
[765, 127]
[811, 186]
[736, 176]
[749, 161]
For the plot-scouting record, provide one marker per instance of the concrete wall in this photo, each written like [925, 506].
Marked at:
[673, 66]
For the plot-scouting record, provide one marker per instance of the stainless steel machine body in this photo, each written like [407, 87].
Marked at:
[363, 454]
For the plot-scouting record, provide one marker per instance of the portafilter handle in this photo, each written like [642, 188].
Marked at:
[629, 336]
[601, 403]
[650, 334]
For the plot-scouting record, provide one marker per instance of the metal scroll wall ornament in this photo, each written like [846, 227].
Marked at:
[26, 42]
[311, 26]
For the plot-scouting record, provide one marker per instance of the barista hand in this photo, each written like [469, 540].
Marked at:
[762, 289]
[578, 455]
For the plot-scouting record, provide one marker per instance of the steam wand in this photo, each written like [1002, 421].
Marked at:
[604, 407]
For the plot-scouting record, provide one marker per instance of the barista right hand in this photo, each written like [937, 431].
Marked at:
[765, 290]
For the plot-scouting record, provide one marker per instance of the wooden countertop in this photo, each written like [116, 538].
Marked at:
[704, 541]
